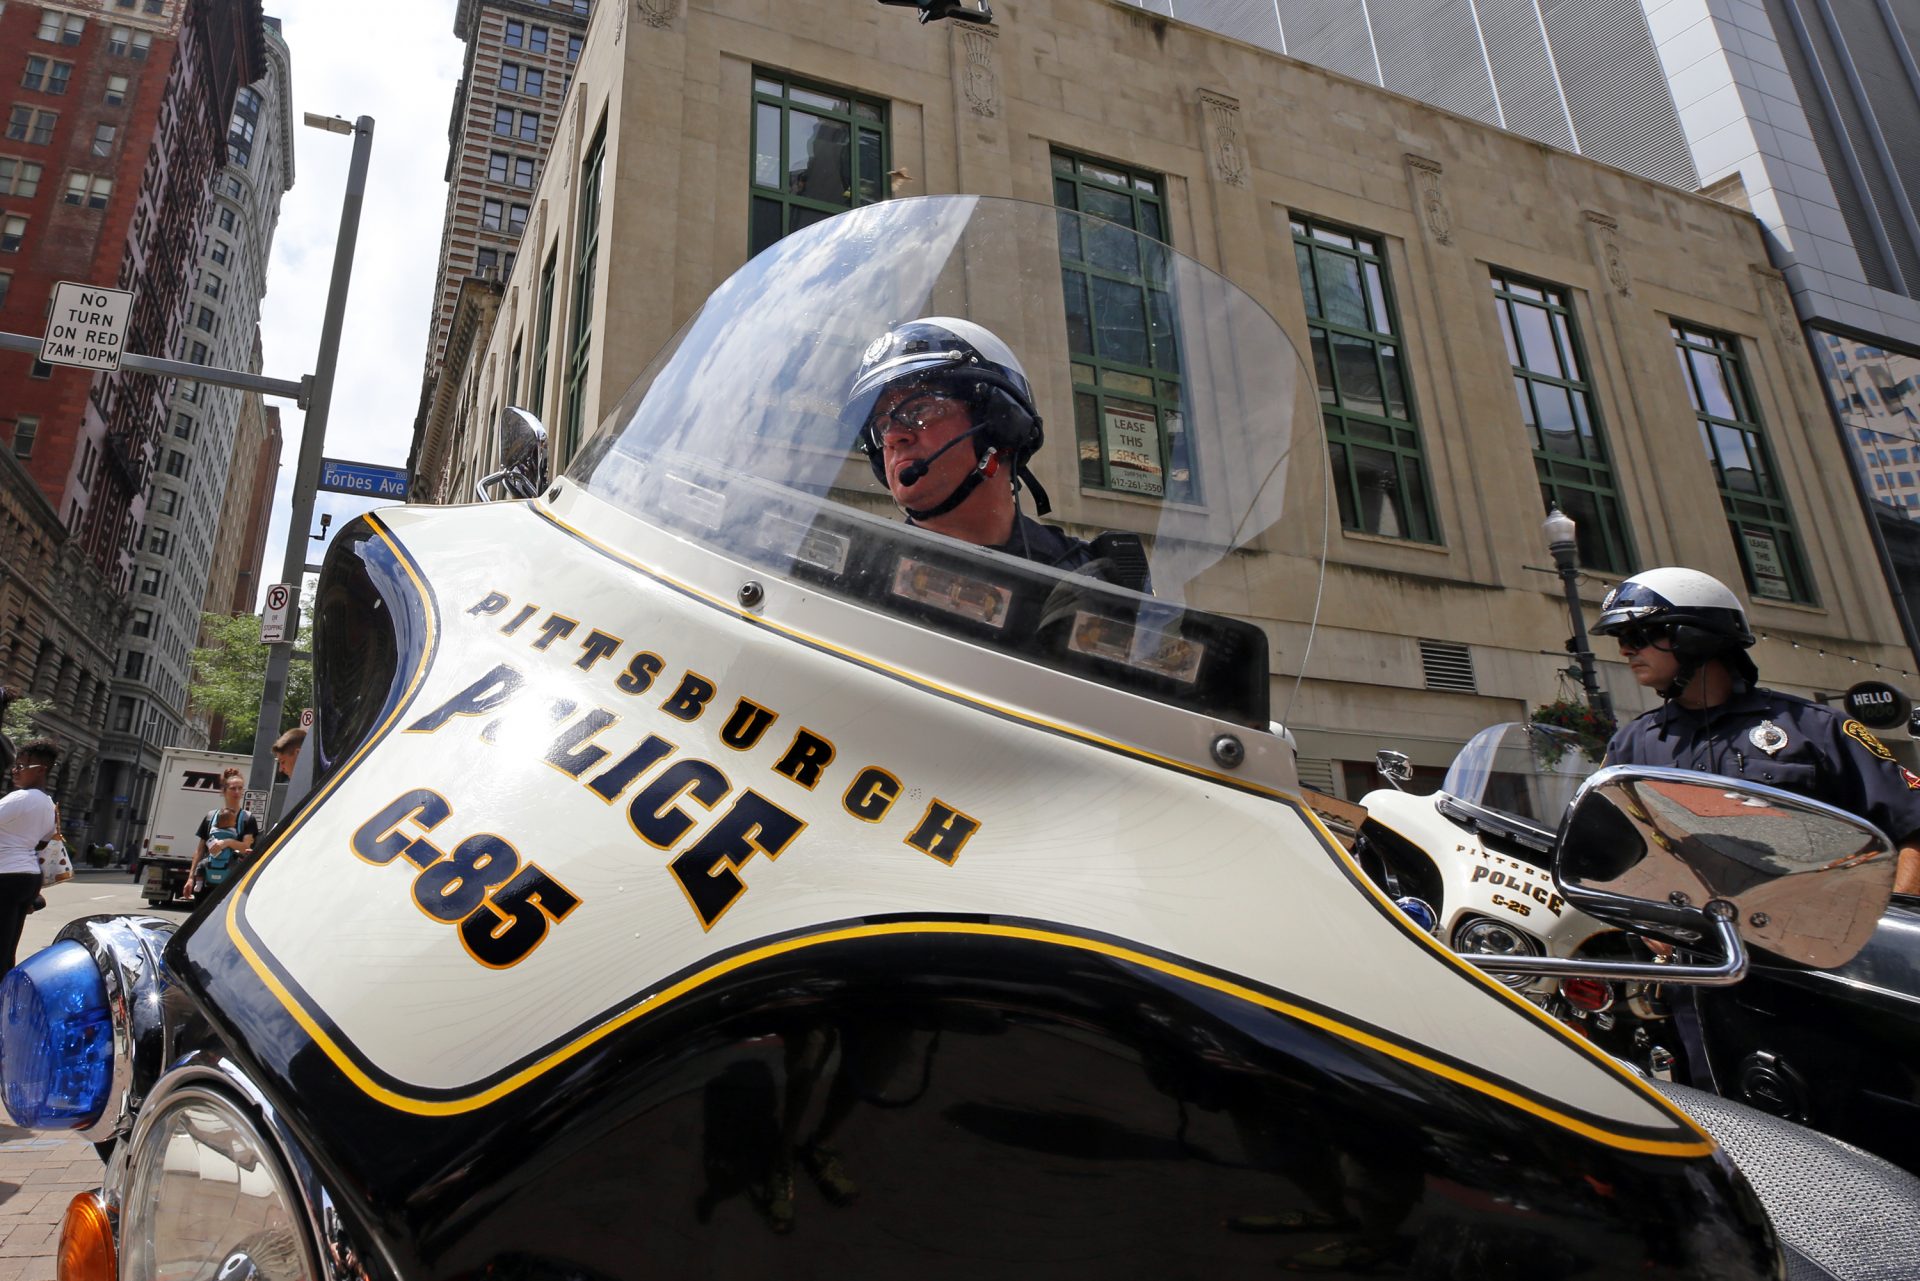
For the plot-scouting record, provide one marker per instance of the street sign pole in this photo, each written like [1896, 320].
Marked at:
[273, 694]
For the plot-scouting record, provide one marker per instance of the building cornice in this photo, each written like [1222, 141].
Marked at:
[279, 59]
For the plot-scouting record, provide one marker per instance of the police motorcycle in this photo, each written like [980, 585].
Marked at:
[1834, 1047]
[1473, 863]
[708, 873]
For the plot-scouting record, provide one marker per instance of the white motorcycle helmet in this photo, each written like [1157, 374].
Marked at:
[964, 360]
[1701, 613]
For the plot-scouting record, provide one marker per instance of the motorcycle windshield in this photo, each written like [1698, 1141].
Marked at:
[1166, 397]
[1521, 770]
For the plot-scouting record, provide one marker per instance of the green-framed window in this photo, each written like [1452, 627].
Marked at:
[1127, 418]
[1743, 464]
[817, 151]
[586, 253]
[543, 334]
[1373, 434]
[1556, 404]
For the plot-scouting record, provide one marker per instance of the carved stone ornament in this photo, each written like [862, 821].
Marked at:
[655, 13]
[1607, 248]
[1433, 205]
[978, 80]
[1617, 267]
[1776, 299]
[1223, 127]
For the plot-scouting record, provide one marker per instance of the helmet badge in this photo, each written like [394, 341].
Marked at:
[876, 349]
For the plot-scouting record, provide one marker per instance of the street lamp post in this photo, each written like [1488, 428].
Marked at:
[273, 695]
[1559, 529]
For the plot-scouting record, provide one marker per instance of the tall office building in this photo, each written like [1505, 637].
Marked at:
[114, 130]
[190, 489]
[1806, 112]
[240, 542]
[1582, 75]
[506, 110]
[1811, 110]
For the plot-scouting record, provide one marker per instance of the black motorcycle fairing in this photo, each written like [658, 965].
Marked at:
[1398, 864]
[1838, 1049]
[368, 614]
[948, 1101]
[1842, 1214]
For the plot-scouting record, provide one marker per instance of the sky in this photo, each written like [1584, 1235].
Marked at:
[399, 62]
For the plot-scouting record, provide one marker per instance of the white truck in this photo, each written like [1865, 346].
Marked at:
[188, 786]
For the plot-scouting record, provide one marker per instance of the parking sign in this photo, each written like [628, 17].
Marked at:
[273, 623]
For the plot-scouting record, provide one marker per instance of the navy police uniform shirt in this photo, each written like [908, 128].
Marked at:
[1816, 752]
[1045, 544]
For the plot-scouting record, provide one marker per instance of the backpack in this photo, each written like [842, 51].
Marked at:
[219, 863]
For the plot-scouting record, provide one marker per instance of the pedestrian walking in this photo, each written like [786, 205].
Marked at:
[226, 837]
[28, 820]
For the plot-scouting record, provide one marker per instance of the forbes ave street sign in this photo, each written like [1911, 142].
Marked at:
[370, 479]
[86, 326]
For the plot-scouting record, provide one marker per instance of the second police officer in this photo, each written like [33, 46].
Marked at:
[1685, 636]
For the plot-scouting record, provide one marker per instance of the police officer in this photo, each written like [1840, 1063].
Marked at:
[946, 418]
[1685, 636]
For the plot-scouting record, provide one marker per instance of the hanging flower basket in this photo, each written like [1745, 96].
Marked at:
[1592, 727]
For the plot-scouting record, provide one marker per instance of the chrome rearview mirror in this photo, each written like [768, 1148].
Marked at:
[523, 456]
[1393, 766]
[1711, 863]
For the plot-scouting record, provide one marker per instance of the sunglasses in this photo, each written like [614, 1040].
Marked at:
[917, 413]
[1657, 637]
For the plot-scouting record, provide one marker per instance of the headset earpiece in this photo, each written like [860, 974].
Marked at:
[1696, 642]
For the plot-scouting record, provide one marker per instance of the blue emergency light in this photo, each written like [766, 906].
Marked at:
[56, 1040]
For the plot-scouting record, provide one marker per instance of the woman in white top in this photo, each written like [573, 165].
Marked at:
[27, 819]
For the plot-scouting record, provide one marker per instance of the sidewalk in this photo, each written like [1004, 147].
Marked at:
[39, 1174]
[40, 1170]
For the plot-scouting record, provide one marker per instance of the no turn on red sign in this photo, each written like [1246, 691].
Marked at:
[86, 326]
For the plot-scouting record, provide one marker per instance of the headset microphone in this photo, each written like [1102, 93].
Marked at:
[913, 471]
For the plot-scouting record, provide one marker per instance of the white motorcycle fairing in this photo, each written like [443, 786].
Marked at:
[699, 854]
[1481, 883]
[1008, 813]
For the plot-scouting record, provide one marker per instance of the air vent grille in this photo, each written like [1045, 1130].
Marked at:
[1316, 774]
[1448, 666]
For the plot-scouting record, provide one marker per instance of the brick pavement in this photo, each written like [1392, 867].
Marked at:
[40, 1171]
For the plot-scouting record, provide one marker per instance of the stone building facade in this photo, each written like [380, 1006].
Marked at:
[88, 86]
[519, 63]
[113, 134]
[1539, 324]
[240, 543]
[56, 624]
[189, 489]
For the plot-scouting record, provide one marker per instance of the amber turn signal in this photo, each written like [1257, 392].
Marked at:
[86, 1240]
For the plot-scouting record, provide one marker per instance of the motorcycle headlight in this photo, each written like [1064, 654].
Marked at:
[206, 1195]
[1489, 937]
[56, 1039]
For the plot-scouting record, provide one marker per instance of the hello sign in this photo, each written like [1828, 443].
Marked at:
[1877, 704]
